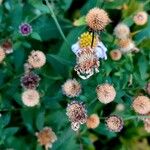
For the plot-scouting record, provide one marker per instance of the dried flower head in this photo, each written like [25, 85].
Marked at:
[25, 29]
[114, 123]
[87, 63]
[30, 97]
[115, 54]
[37, 59]
[97, 19]
[141, 18]
[141, 105]
[71, 88]
[148, 88]
[93, 121]
[127, 45]
[85, 40]
[77, 114]
[46, 137]
[122, 31]
[30, 80]
[7, 46]
[2, 54]
[105, 93]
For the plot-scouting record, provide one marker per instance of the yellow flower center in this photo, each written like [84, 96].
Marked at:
[85, 40]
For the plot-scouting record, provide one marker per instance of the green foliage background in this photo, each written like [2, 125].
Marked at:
[18, 123]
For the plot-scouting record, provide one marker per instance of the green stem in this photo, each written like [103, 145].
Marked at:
[55, 20]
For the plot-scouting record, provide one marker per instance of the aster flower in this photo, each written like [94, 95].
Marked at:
[85, 41]
[77, 114]
[25, 29]
[105, 93]
[141, 105]
[46, 137]
[71, 88]
[122, 31]
[30, 97]
[37, 59]
[114, 123]
[127, 45]
[7, 46]
[140, 18]
[30, 80]
[115, 54]
[97, 19]
[87, 63]
[2, 54]
[93, 121]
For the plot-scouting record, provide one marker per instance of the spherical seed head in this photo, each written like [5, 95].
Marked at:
[30, 98]
[76, 112]
[85, 40]
[46, 137]
[141, 105]
[115, 54]
[140, 18]
[122, 31]
[2, 54]
[105, 93]
[37, 59]
[93, 121]
[114, 123]
[126, 45]
[30, 80]
[97, 19]
[71, 88]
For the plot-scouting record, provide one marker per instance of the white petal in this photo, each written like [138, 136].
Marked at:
[76, 48]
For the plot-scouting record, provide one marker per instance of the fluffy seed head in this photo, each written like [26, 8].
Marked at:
[2, 54]
[140, 18]
[115, 54]
[30, 97]
[77, 114]
[37, 59]
[141, 105]
[93, 121]
[122, 31]
[46, 137]
[85, 40]
[105, 93]
[30, 80]
[97, 19]
[71, 88]
[114, 123]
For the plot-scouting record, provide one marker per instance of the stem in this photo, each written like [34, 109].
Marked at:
[55, 20]
[79, 137]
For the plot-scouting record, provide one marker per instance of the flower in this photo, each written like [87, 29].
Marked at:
[2, 54]
[30, 97]
[46, 137]
[25, 29]
[141, 105]
[114, 123]
[120, 107]
[37, 59]
[84, 43]
[93, 121]
[71, 88]
[97, 19]
[77, 114]
[7, 46]
[87, 63]
[30, 80]
[127, 45]
[115, 54]
[140, 18]
[105, 93]
[27, 68]
[147, 127]
[122, 31]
